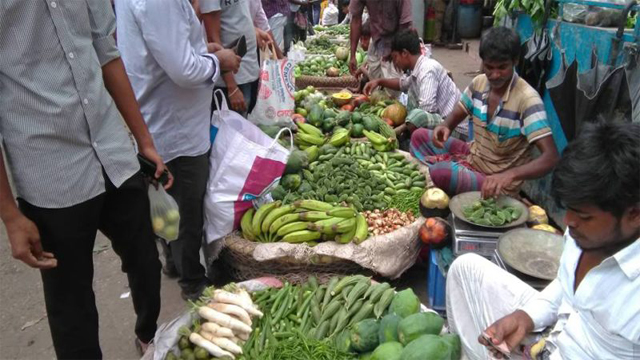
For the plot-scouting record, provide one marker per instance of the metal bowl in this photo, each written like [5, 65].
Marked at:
[459, 201]
[532, 252]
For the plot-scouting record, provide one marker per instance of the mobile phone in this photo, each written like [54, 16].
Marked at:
[501, 348]
[148, 168]
[239, 46]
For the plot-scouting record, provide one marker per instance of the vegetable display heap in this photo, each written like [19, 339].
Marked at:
[349, 318]
[487, 213]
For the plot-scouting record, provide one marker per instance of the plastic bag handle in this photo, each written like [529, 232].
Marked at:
[220, 105]
[272, 49]
[277, 137]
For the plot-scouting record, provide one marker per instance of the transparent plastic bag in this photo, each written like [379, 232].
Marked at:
[165, 215]
[574, 13]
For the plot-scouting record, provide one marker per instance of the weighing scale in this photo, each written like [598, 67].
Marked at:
[534, 282]
[468, 238]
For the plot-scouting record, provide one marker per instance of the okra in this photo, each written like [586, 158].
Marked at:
[346, 291]
[384, 302]
[377, 292]
[321, 331]
[364, 312]
[331, 310]
[327, 295]
[358, 290]
[345, 281]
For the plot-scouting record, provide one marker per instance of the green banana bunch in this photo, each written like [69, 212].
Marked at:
[304, 221]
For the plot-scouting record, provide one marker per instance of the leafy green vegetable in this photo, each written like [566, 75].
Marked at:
[299, 347]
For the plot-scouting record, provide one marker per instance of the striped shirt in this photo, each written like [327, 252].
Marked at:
[505, 141]
[430, 88]
[59, 126]
[172, 75]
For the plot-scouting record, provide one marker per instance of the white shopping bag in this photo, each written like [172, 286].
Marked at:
[245, 164]
[275, 104]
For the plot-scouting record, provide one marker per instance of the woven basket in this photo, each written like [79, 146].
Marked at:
[321, 82]
[237, 259]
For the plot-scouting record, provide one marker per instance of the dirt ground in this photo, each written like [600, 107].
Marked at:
[25, 333]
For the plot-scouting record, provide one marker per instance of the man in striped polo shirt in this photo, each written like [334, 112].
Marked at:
[508, 121]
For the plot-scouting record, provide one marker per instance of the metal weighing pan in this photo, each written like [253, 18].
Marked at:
[459, 201]
[532, 252]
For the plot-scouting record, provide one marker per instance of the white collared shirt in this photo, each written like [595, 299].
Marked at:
[601, 320]
[165, 54]
[430, 88]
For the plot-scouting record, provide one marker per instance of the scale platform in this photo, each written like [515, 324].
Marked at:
[468, 238]
[534, 282]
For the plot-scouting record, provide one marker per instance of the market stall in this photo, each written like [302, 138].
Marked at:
[347, 201]
[345, 318]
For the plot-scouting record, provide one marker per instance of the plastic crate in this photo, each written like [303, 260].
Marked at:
[436, 286]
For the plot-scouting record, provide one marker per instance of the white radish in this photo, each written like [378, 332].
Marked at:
[212, 349]
[234, 310]
[223, 320]
[222, 342]
[217, 330]
[225, 297]
[241, 336]
[242, 292]
[236, 340]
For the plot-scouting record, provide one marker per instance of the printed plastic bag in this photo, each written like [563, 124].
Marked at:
[165, 215]
[275, 103]
[245, 164]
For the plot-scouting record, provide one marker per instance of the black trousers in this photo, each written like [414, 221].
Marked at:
[122, 214]
[190, 174]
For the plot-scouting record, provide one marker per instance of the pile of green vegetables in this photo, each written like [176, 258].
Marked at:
[320, 45]
[332, 30]
[347, 318]
[488, 213]
[356, 174]
[322, 66]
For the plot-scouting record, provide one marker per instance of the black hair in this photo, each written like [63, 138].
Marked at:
[406, 39]
[365, 30]
[601, 167]
[500, 44]
[343, 3]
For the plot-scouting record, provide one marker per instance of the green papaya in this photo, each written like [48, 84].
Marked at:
[454, 343]
[370, 124]
[316, 115]
[388, 351]
[356, 117]
[364, 335]
[427, 347]
[389, 328]
[405, 303]
[416, 325]
[357, 131]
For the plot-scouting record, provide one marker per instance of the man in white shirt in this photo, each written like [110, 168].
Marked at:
[431, 90]
[173, 74]
[592, 306]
